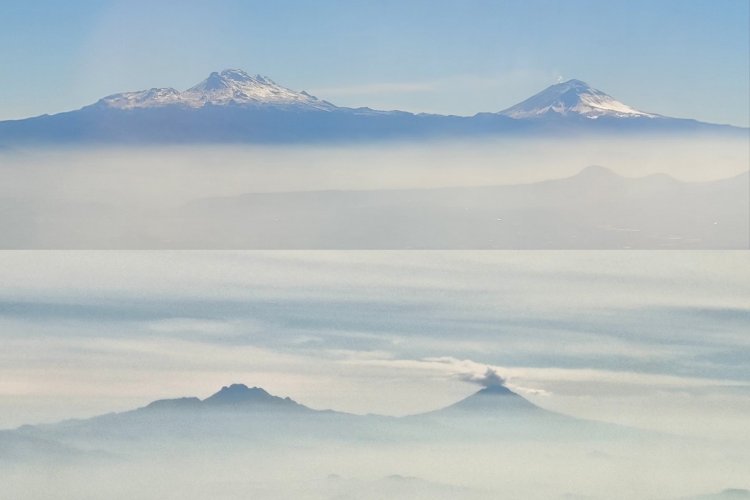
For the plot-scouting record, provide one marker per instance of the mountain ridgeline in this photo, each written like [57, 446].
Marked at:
[233, 397]
[235, 107]
[596, 208]
[238, 415]
[243, 442]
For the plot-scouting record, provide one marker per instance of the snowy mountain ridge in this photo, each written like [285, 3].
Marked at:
[229, 87]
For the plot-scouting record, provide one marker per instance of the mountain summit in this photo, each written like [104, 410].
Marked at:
[495, 400]
[229, 87]
[240, 395]
[571, 98]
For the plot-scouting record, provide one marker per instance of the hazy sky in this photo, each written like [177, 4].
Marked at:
[655, 339]
[686, 58]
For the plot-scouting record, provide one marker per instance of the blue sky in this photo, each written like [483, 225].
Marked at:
[685, 58]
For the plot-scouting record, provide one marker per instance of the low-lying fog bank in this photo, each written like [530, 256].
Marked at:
[270, 458]
[380, 196]
[175, 175]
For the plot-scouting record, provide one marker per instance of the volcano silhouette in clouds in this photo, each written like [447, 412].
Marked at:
[493, 400]
[245, 440]
[238, 416]
[497, 405]
[497, 413]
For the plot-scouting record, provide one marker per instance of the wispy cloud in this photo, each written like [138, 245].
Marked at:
[323, 327]
[490, 378]
[509, 85]
[377, 88]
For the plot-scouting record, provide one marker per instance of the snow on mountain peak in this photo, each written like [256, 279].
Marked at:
[573, 97]
[232, 78]
[234, 74]
[229, 87]
[237, 75]
[575, 84]
[234, 87]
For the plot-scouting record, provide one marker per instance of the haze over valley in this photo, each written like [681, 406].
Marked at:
[359, 250]
[408, 374]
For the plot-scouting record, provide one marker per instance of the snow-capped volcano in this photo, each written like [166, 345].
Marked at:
[571, 98]
[230, 87]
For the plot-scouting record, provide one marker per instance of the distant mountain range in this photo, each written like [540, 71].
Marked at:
[246, 443]
[235, 107]
[496, 402]
[596, 208]
[238, 413]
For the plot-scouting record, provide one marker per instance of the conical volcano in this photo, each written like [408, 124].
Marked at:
[573, 98]
[492, 401]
